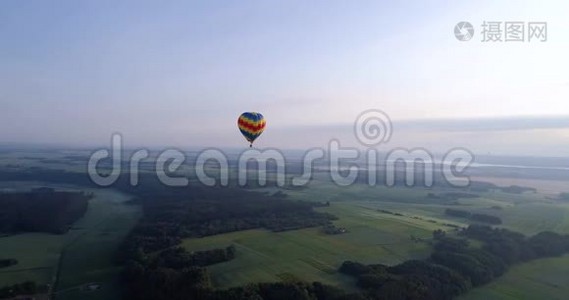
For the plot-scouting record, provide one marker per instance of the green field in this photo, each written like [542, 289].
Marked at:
[528, 213]
[310, 255]
[85, 254]
[540, 279]
[37, 256]
[357, 206]
[88, 257]
[82, 255]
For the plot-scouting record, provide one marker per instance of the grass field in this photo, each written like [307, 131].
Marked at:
[528, 213]
[37, 256]
[82, 255]
[88, 256]
[310, 255]
[540, 279]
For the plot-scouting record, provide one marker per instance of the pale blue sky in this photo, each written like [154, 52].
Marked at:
[179, 73]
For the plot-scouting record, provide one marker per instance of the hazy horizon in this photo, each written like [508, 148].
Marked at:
[179, 74]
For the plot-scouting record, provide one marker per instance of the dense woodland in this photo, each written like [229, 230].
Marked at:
[7, 262]
[197, 212]
[41, 210]
[158, 268]
[454, 267]
[24, 288]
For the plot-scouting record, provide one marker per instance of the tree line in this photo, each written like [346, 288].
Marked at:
[454, 267]
[42, 210]
[24, 288]
[157, 267]
[8, 262]
[483, 218]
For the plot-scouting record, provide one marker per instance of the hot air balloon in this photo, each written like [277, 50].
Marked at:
[251, 125]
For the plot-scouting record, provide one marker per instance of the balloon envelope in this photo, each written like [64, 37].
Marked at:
[251, 125]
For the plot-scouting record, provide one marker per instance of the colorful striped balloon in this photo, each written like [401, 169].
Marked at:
[251, 125]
